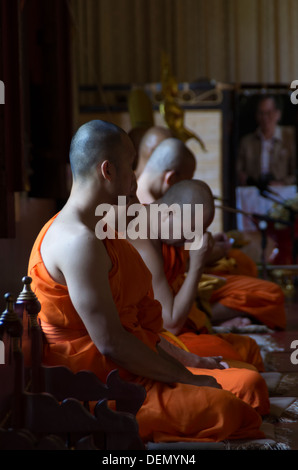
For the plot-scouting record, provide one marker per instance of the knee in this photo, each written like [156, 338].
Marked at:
[256, 382]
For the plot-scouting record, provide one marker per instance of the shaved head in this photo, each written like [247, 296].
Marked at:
[171, 161]
[152, 138]
[192, 192]
[171, 155]
[94, 142]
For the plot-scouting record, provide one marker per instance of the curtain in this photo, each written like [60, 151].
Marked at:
[231, 41]
[11, 128]
[36, 120]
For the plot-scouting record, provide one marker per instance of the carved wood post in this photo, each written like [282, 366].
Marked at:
[27, 304]
[12, 325]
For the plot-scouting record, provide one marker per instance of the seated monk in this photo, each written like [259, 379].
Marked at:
[243, 299]
[177, 293]
[176, 309]
[98, 311]
[161, 173]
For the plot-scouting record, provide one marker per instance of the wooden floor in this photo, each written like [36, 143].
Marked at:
[281, 360]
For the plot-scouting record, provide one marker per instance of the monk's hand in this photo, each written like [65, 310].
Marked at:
[205, 381]
[213, 362]
[199, 257]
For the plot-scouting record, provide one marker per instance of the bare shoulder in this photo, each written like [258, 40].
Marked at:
[71, 245]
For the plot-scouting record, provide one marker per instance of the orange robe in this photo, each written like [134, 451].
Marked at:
[244, 264]
[262, 300]
[243, 291]
[171, 412]
[195, 333]
[236, 262]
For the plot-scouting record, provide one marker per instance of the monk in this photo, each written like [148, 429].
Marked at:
[243, 298]
[169, 163]
[167, 262]
[227, 259]
[177, 306]
[97, 306]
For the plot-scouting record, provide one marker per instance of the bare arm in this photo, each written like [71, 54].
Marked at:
[175, 308]
[85, 269]
[191, 360]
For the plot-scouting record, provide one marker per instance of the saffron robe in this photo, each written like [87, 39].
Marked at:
[260, 299]
[171, 412]
[236, 262]
[243, 291]
[196, 331]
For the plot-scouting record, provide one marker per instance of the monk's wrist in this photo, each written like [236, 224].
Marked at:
[195, 268]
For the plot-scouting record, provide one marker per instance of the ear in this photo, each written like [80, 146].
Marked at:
[170, 178]
[106, 169]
